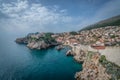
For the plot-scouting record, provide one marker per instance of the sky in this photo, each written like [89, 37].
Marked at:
[26, 16]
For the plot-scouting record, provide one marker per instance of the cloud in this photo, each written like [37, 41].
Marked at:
[109, 9]
[13, 9]
[34, 17]
[22, 16]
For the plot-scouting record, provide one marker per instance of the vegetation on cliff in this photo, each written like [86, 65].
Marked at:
[92, 69]
[73, 33]
[47, 38]
[111, 68]
[38, 40]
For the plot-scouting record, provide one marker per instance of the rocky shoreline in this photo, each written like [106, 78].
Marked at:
[38, 41]
[95, 66]
[92, 69]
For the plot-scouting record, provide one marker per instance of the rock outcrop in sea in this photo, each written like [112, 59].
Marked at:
[38, 40]
[22, 40]
[59, 47]
[70, 53]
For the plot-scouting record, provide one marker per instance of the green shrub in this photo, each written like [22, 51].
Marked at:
[48, 39]
[111, 68]
[90, 54]
[112, 36]
[102, 59]
[73, 33]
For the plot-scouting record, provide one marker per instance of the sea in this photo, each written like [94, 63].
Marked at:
[17, 62]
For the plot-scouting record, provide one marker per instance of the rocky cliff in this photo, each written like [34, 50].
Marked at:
[38, 41]
[92, 69]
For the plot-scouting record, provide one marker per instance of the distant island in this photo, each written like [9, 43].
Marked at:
[89, 46]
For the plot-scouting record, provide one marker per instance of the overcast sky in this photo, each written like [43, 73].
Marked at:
[19, 16]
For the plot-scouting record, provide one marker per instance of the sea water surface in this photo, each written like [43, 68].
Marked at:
[17, 62]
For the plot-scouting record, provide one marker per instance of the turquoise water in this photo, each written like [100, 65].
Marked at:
[17, 62]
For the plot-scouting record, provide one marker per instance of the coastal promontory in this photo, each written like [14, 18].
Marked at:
[38, 40]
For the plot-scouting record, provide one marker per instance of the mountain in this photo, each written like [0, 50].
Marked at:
[114, 21]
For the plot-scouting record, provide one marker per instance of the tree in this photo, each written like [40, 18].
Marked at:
[73, 33]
